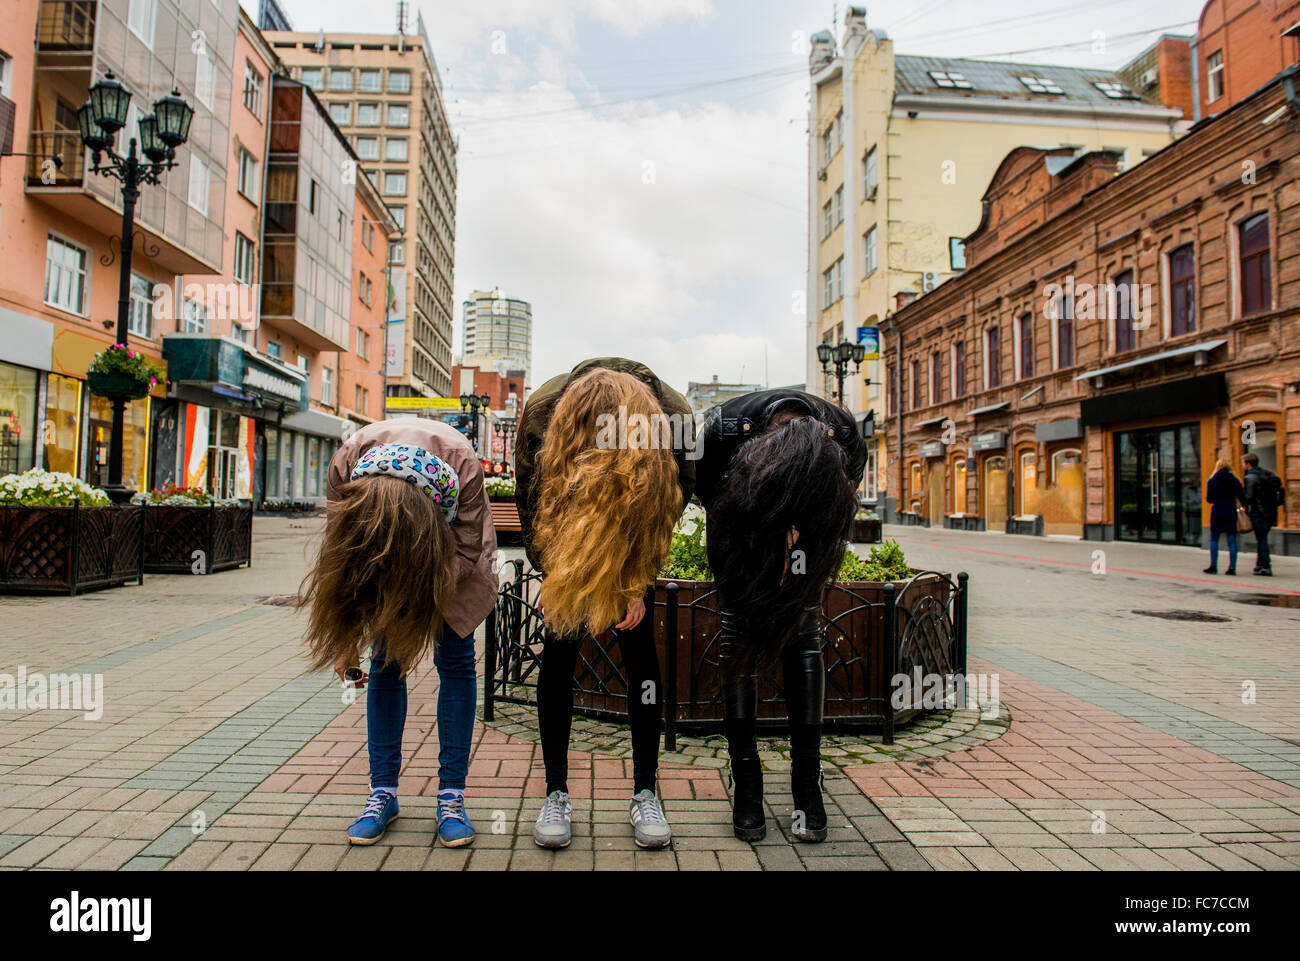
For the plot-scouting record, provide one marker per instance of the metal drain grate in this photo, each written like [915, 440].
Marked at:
[1200, 616]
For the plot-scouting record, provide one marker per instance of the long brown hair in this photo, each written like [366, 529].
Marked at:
[605, 514]
[386, 570]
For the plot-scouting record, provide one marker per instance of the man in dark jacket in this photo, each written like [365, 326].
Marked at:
[1263, 498]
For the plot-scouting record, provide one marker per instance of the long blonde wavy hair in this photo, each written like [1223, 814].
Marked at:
[604, 516]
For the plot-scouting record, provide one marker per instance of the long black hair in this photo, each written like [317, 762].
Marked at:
[793, 475]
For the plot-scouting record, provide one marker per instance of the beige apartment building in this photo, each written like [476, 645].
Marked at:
[383, 92]
[901, 151]
[498, 333]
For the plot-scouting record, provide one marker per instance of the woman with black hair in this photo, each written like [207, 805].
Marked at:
[778, 474]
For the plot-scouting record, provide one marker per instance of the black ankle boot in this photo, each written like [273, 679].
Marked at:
[809, 821]
[747, 818]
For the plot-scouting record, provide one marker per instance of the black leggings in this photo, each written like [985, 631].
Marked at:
[644, 702]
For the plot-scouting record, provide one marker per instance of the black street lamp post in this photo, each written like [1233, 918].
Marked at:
[474, 403]
[161, 132]
[840, 356]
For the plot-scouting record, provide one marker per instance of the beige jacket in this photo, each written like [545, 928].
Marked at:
[476, 538]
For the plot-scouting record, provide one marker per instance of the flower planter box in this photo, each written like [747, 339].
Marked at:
[875, 632]
[70, 549]
[866, 532]
[963, 522]
[197, 540]
[1030, 526]
[117, 386]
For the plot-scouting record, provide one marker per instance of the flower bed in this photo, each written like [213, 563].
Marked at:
[499, 488]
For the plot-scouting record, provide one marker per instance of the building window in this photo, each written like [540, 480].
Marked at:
[340, 80]
[204, 79]
[828, 219]
[869, 252]
[140, 318]
[246, 174]
[1041, 85]
[363, 344]
[1214, 69]
[1182, 290]
[368, 148]
[956, 253]
[1025, 333]
[827, 145]
[370, 81]
[65, 275]
[313, 77]
[839, 205]
[368, 115]
[200, 185]
[313, 191]
[1256, 286]
[304, 364]
[326, 386]
[252, 89]
[399, 216]
[341, 114]
[949, 78]
[395, 148]
[1125, 335]
[195, 317]
[959, 369]
[6, 75]
[992, 358]
[339, 227]
[363, 399]
[1063, 317]
[399, 81]
[936, 378]
[394, 183]
[243, 259]
[1114, 90]
[916, 385]
[833, 283]
[368, 235]
[141, 18]
[273, 349]
[399, 115]
[869, 175]
[396, 252]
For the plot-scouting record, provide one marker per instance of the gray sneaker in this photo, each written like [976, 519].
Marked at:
[648, 821]
[552, 829]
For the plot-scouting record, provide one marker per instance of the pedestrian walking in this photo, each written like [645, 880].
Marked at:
[778, 477]
[598, 499]
[406, 565]
[1223, 492]
[1264, 495]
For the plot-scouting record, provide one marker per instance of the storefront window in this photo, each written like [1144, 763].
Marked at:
[62, 428]
[299, 466]
[1028, 486]
[17, 419]
[313, 468]
[272, 462]
[916, 487]
[959, 486]
[135, 442]
[1262, 442]
[224, 454]
[995, 492]
[1061, 502]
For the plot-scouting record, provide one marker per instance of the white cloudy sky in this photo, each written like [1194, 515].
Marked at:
[636, 168]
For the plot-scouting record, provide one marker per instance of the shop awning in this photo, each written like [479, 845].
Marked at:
[320, 423]
[1204, 347]
[933, 421]
[989, 409]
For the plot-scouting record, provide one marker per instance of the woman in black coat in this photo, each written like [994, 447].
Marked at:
[1224, 492]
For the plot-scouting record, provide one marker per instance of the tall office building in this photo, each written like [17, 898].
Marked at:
[383, 92]
[498, 333]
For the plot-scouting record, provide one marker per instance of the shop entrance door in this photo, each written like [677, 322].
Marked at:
[995, 493]
[1158, 485]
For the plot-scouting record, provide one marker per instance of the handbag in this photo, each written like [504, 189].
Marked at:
[1244, 523]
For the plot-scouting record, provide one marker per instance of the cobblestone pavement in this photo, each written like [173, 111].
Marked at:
[1133, 741]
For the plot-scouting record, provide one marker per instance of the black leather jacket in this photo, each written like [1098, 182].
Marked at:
[730, 424]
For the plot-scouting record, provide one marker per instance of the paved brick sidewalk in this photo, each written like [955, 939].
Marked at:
[216, 751]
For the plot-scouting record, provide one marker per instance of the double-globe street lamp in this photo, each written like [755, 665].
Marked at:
[840, 356]
[474, 403]
[161, 132]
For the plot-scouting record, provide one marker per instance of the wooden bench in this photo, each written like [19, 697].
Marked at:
[505, 518]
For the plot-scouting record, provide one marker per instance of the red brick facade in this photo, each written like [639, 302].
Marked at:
[1247, 34]
[1044, 427]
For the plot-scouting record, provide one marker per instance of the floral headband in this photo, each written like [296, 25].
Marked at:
[415, 465]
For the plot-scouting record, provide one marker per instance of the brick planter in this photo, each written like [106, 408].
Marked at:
[70, 549]
[197, 540]
[874, 632]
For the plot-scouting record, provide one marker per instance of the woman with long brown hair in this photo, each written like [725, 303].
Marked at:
[405, 566]
[603, 471]
[777, 477]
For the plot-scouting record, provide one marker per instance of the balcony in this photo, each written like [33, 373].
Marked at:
[66, 26]
[43, 146]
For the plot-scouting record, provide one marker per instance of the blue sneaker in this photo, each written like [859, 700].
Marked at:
[381, 808]
[455, 829]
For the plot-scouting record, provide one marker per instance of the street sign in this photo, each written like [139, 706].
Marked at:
[993, 440]
[422, 403]
[932, 449]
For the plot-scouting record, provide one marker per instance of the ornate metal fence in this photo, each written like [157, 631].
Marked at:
[70, 549]
[875, 634]
[223, 535]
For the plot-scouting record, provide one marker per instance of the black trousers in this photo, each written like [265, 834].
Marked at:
[644, 702]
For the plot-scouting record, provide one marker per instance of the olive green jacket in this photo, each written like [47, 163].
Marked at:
[536, 418]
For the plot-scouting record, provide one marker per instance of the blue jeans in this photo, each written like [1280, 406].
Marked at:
[1232, 549]
[457, 698]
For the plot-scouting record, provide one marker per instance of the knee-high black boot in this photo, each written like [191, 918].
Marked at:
[805, 690]
[740, 721]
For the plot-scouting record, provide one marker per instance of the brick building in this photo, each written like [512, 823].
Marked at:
[1240, 46]
[1111, 336]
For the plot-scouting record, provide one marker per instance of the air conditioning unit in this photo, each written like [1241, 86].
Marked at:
[1149, 78]
[929, 281]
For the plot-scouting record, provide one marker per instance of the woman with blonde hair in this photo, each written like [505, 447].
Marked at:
[1223, 492]
[602, 471]
[405, 566]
